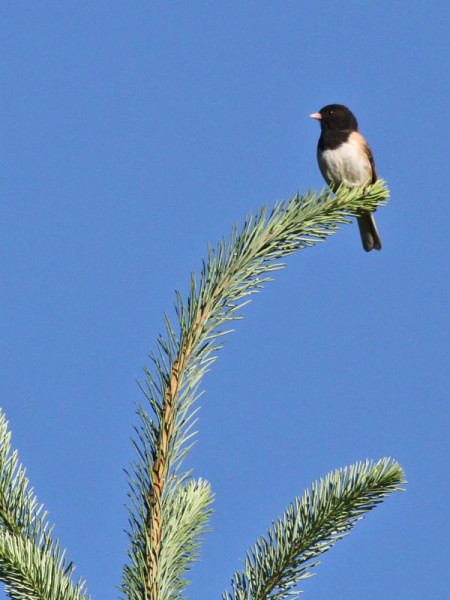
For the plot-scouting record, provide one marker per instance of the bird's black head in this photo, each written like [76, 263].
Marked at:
[336, 117]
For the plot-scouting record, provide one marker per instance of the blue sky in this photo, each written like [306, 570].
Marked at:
[138, 132]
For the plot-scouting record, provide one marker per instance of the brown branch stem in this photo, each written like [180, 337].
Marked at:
[160, 466]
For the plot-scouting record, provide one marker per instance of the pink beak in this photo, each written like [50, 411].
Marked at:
[317, 116]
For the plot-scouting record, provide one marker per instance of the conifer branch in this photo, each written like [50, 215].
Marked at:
[310, 526]
[169, 510]
[32, 565]
[237, 269]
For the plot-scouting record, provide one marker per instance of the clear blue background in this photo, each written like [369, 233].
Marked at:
[136, 132]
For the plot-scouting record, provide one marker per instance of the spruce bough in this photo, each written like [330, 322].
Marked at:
[168, 508]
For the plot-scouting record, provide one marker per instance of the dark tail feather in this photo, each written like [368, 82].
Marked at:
[369, 232]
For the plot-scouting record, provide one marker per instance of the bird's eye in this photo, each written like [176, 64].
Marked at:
[331, 112]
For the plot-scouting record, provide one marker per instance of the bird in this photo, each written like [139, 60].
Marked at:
[344, 156]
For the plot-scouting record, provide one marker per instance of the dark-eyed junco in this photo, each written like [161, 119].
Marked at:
[345, 157]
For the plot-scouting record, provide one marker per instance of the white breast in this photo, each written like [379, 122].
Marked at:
[345, 164]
